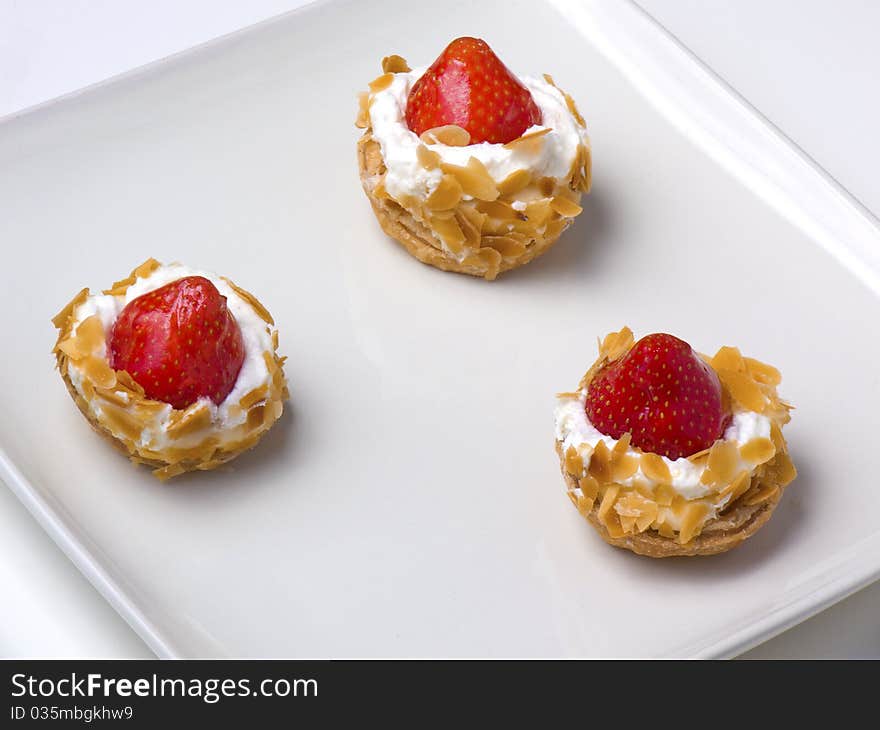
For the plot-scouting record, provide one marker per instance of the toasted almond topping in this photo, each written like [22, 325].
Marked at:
[475, 179]
[449, 134]
[655, 468]
[763, 373]
[362, 121]
[395, 64]
[574, 465]
[446, 196]
[565, 207]
[506, 246]
[380, 83]
[758, 450]
[514, 182]
[692, 518]
[743, 390]
[261, 311]
[729, 358]
[429, 159]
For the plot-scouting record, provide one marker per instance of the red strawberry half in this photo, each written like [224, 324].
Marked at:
[179, 342]
[470, 87]
[663, 394]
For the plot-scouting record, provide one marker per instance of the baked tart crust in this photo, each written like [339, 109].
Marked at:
[468, 224]
[124, 412]
[630, 517]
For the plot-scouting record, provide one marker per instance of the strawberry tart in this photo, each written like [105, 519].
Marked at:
[178, 368]
[469, 167]
[667, 452]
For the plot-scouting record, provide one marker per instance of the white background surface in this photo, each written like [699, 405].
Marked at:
[805, 65]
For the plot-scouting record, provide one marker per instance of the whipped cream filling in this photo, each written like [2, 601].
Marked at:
[573, 428]
[256, 337]
[406, 176]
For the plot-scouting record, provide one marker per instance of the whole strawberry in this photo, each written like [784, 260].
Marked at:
[663, 394]
[470, 87]
[179, 343]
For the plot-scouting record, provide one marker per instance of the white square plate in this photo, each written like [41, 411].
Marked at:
[410, 502]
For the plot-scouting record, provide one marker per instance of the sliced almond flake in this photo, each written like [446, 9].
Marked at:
[449, 134]
[514, 182]
[762, 372]
[190, 421]
[738, 486]
[120, 421]
[254, 396]
[476, 218]
[743, 390]
[255, 416]
[565, 207]
[624, 467]
[379, 191]
[60, 320]
[692, 518]
[475, 179]
[362, 121]
[608, 500]
[380, 83]
[654, 468]
[729, 358]
[429, 159]
[471, 232]
[90, 335]
[70, 347]
[98, 371]
[776, 436]
[507, 247]
[498, 209]
[572, 107]
[621, 447]
[574, 465]
[722, 462]
[117, 398]
[616, 344]
[446, 196]
[568, 395]
[589, 486]
[758, 451]
[261, 311]
[700, 456]
[630, 504]
[395, 64]
[537, 134]
[492, 259]
[555, 227]
[547, 186]
[600, 463]
[139, 272]
[125, 380]
[450, 233]
[649, 514]
[664, 494]
[584, 504]
[783, 469]
[612, 524]
[586, 181]
[538, 212]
